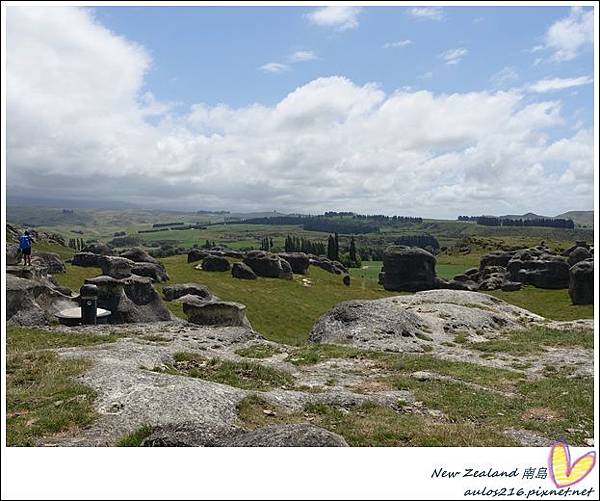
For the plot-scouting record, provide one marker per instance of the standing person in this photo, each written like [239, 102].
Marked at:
[25, 242]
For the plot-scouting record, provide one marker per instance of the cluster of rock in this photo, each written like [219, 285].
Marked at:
[262, 263]
[412, 269]
[134, 261]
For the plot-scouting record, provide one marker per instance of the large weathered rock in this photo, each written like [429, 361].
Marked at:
[156, 272]
[98, 248]
[116, 266]
[298, 261]
[215, 313]
[130, 300]
[418, 322]
[87, 259]
[492, 278]
[194, 435]
[215, 263]
[496, 258]
[233, 254]
[243, 271]
[265, 264]
[328, 265]
[50, 260]
[13, 254]
[138, 255]
[543, 270]
[581, 282]
[408, 269]
[175, 291]
[196, 255]
[32, 302]
[578, 254]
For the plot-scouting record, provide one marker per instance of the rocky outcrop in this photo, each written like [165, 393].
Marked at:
[175, 291]
[87, 259]
[298, 261]
[578, 254]
[215, 313]
[496, 258]
[138, 255]
[33, 302]
[130, 300]
[116, 267]
[12, 255]
[194, 435]
[328, 265]
[98, 248]
[419, 322]
[581, 282]
[408, 269]
[243, 271]
[196, 255]
[540, 268]
[265, 264]
[50, 260]
[215, 263]
[156, 272]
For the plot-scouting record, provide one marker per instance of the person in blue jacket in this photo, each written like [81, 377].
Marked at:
[25, 243]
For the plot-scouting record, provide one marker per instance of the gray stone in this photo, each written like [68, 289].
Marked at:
[194, 435]
[298, 261]
[215, 313]
[243, 271]
[138, 255]
[196, 255]
[215, 263]
[50, 260]
[156, 272]
[408, 269]
[578, 254]
[265, 264]
[175, 291]
[13, 254]
[130, 300]
[98, 248]
[87, 259]
[346, 280]
[581, 282]
[116, 267]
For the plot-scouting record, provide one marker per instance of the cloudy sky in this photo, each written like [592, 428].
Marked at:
[412, 111]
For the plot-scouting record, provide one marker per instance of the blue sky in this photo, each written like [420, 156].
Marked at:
[214, 55]
[424, 111]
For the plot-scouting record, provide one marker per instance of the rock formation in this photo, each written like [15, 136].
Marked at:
[298, 261]
[265, 264]
[408, 269]
[175, 291]
[215, 263]
[581, 282]
[215, 313]
[243, 271]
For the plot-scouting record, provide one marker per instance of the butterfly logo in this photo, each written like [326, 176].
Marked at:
[563, 471]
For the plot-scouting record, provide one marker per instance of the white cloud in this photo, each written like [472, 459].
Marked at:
[398, 44]
[432, 13]
[274, 67]
[568, 36]
[505, 76]
[554, 84]
[339, 18]
[302, 55]
[454, 56]
[76, 128]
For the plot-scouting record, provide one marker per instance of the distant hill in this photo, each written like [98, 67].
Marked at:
[529, 215]
[583, 218]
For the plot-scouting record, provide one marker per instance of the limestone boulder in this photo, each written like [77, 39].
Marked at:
[32, 302]
[215, 313]
[131, 299]
[408, 269]
[175, 291]
[87, 259]
[156, 272]
[116, 266]
[98, 248]
[197, 255]
[215, 263]
[581, 282]
[298, 261]
[578, 254]
[50, 260]
[265, 264]
[12, 255]
[242, 271]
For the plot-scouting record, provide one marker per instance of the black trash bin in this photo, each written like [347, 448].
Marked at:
[88, 298]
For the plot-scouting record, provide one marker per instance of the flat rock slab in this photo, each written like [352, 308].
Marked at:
[418, 322]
